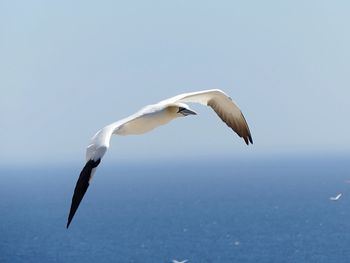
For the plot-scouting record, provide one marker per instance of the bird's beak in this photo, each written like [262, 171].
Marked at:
[186, 112]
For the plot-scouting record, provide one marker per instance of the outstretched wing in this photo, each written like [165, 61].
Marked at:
[224, 107]
[94, 153]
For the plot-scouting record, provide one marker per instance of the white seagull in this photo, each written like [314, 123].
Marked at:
[151, 117]
[335, 198]
[183, 261]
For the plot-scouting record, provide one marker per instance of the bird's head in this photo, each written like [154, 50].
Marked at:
[184, 110]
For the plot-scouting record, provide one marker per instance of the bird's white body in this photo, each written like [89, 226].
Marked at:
[151, 117]
[336, 198]
[183, 261]
[141, 122]
[146, 120]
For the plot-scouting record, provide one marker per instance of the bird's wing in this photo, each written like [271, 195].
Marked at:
[336, 198]
[94, 153]
[224, 107]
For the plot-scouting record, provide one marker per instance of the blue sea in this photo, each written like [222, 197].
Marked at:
[260, 210]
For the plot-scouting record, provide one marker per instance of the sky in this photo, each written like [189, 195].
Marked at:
[70, 67]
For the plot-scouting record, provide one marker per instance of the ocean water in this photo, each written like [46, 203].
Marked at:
[268, 210]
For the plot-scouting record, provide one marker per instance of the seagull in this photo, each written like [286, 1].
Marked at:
[151, 117]
[335, 198]
[183, 261]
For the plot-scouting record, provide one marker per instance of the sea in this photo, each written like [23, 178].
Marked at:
[259, 210]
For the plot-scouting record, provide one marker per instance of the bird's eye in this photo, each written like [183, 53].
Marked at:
[181, 109]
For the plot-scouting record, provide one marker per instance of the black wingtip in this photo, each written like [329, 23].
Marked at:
[250, 139]
[246, 140]
[71, 214]
[81, 188]
[69, 221]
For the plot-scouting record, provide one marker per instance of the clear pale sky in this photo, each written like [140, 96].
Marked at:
[70, 67]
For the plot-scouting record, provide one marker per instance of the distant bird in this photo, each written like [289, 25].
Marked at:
[335, 198]
[151, 117]
[175, 261]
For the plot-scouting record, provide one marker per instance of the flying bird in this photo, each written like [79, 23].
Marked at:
[335, 198]
[151, 117]
[183, 261]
